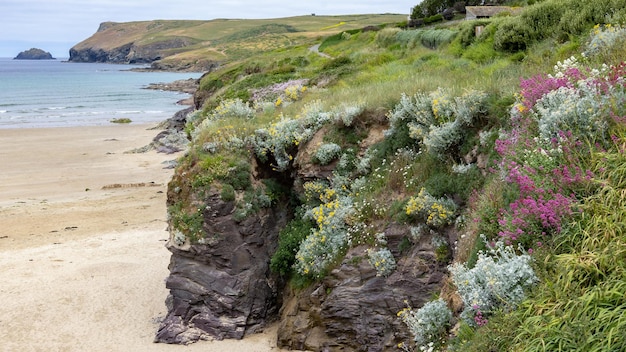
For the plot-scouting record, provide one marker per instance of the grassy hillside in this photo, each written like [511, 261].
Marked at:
[228, 39]
[507, 149]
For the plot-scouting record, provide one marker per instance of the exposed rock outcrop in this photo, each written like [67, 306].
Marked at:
[223, 288]
[34, 54]
[128, 53]
[353, 309]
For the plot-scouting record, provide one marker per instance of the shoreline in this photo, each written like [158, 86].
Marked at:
[83, 260]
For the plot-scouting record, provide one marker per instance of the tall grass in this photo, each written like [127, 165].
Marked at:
[580, 303]
[589, 268]
[430, 38]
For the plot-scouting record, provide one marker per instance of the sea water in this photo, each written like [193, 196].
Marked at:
[54, 93]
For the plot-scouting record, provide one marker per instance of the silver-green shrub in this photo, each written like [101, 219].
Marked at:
[603, 38]
[230, 108]
[579, 110]
[437, 120]
[345, 113]
[327, 152]
[382, 260]
[288, 133]
[498, 280]
[322, 246]
[428, 324]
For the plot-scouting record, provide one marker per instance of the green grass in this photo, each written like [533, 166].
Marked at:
[580, 302]
[227, 40]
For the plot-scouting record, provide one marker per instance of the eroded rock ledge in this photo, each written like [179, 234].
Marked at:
[223, 288]
[355, 310]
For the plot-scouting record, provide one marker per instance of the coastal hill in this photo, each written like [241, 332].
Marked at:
[412, 189]
[34, 54]
[199, 45]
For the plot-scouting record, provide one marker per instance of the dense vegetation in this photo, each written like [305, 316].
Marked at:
[513, 141]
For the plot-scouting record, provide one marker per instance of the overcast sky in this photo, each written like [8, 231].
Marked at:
[56, 25]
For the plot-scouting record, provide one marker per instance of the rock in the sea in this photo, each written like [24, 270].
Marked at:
[34, 54]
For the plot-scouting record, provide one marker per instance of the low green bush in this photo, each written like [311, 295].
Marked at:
[289, 240]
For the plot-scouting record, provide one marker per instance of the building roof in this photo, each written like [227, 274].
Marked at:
[489, 11]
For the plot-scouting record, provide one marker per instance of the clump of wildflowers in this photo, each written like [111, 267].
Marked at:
[281, 138]
[428, 324]
[436, 212]
[556, 118]
[604, 37]
[382, 260]
[280, 93]
[324, 244]
[573, 98]
[498, 280]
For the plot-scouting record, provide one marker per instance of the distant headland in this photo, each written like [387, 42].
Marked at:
[34, 54]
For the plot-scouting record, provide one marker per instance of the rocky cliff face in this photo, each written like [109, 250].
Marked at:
[353, 309]
[223, 288]
[128, 53]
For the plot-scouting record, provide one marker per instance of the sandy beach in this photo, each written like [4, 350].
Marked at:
[82, 234]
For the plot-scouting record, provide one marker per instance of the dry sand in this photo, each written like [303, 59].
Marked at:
[82, 260]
